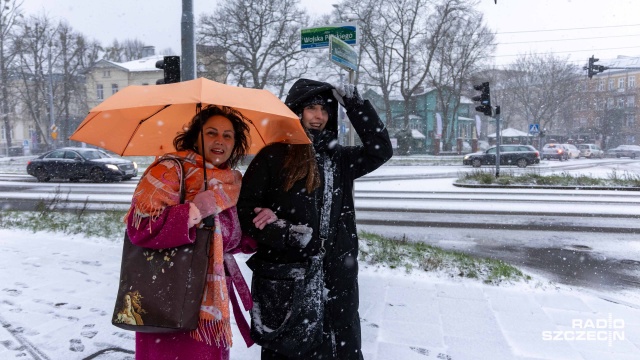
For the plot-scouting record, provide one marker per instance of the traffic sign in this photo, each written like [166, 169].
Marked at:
[342, 54]
[534, 128]
[311, 38]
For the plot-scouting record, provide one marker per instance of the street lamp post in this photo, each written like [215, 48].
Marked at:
[52, 118]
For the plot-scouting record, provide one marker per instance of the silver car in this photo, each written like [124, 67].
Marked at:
[591, 151]
[630, 151]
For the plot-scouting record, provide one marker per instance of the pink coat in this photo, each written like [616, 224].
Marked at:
[170, 230]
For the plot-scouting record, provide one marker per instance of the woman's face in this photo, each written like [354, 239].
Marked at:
[315, 117]
[127, 301]
[219, 139]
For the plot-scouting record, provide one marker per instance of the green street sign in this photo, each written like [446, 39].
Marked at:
[342, 54]
[319, 37]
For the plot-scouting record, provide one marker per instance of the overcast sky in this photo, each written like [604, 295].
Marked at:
[573, 28]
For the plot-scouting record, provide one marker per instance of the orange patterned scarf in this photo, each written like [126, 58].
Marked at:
[159, 188]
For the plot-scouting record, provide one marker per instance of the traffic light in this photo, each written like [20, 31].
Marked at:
[171, 67]
[593, 69]
[484, 98]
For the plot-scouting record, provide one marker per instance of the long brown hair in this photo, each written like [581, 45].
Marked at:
[300, 163]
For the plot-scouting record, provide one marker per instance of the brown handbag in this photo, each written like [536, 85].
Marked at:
[161, 289]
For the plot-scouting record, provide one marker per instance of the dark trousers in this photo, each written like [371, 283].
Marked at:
[337, 344]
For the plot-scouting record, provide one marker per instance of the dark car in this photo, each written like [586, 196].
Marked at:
[520, 155]
[630, 151]
[81, 163]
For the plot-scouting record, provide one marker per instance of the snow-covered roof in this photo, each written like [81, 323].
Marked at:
[622, 61]
[411, 117]
[417, 134]
[465, 100]
[510, 132]
[144, 64]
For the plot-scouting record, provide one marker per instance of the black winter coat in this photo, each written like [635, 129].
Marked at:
[262, 186]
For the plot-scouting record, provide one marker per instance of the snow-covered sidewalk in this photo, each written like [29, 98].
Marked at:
[57, 294]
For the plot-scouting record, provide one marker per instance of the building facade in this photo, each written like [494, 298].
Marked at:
[424, 112]
[607, 113]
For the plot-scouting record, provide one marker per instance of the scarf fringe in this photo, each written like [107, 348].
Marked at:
[210, 332]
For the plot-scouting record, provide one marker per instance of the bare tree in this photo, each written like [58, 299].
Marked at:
[377, 58]
[75, 55]
[33, 47]
[127, 50]
[261, 38]
[401, 37]
[539, 87]
[9, 14]
[466, 44]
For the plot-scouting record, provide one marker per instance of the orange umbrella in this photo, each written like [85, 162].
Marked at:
[144, 120]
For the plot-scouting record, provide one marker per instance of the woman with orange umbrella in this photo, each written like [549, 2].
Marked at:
[209, 150]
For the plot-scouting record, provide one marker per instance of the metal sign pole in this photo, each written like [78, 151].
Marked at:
[498, 141]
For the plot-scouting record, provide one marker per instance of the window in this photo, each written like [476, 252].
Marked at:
[106, 73]
[71, 155]
[632, 81]
[630, 119]
[621, 83]
[601, 85]
[611, 84]
[114, 88]
[58, 154]
[100, 92]
[620, 103]
[631, 101]
[610, 103]
[11, 132]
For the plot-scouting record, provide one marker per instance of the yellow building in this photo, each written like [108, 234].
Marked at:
[607, 113]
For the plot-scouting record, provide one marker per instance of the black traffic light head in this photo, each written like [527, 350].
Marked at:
[171, 67]
[484, 98]
[592, 69]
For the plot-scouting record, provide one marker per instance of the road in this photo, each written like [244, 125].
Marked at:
[576, 237]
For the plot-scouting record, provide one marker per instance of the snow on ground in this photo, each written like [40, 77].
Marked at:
[57, 295]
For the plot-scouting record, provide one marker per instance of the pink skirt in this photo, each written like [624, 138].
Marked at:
[176, 346]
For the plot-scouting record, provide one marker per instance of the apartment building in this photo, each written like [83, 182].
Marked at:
[607, 111]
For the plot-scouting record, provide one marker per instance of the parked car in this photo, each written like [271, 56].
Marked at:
[520, 155]
[572, 151]
[591, 151]
[631, 151]
[554, 151]
[81, 163]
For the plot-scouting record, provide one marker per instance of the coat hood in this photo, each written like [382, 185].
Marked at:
[305, 90]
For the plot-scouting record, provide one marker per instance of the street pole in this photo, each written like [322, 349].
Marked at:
[188, 68]
[52, 118]
[498, 141]
[352, 135]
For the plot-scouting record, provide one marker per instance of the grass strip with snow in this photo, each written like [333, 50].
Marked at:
[402, 253]
[487, 177]
[374, 249]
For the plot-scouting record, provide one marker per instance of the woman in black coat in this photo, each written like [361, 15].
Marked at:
[284, 191]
